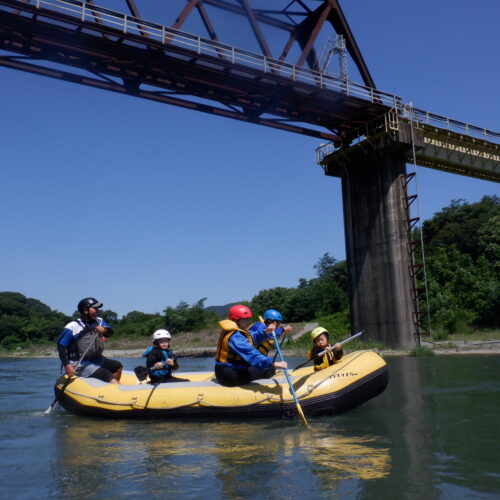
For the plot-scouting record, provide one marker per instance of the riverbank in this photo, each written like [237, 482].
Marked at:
[439, 348]
[204, 342]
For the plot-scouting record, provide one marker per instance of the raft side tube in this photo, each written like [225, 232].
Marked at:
[358, 377]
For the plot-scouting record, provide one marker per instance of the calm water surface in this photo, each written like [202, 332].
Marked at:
[434, 433]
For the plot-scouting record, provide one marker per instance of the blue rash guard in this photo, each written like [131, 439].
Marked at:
[257, 326]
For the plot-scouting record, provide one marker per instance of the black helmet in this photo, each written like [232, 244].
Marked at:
[88, 302]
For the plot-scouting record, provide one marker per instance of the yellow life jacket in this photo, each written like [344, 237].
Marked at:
[265, 346]
[224, 354]
[328, 359]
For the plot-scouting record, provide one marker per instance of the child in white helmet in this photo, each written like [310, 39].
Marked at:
[161, 360]
[319, 336]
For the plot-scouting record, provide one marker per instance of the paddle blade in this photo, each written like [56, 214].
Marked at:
[301, 415]
[53, 406]
[141, 373]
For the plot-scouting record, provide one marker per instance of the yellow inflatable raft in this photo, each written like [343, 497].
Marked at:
[356, 378]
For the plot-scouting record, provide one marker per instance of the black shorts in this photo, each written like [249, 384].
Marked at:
[166, 380]
[231, 377]
[106, 370]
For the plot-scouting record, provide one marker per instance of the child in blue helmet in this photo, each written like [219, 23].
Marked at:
[271, 316]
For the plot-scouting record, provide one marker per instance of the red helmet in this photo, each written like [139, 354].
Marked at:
[239, 311]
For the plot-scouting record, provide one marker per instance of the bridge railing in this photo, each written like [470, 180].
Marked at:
[389, 122]
[102, 16]
[419, 116]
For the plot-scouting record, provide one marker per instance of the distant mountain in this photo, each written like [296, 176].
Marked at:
[221, 311]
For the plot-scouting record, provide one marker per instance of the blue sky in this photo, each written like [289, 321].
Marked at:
[143, 205]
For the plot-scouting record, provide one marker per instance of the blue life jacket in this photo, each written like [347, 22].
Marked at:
[166, 371]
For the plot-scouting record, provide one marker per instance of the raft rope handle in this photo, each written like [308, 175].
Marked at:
[145, 407]
[149, 397]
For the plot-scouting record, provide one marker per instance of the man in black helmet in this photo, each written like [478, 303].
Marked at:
[83, 339]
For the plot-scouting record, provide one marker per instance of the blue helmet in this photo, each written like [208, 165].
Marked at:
[274, 315]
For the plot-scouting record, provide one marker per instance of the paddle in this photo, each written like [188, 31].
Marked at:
[281, 344]
[325, 351]
[141, 373]
[292, 390]
[56, 400]
[283, 336]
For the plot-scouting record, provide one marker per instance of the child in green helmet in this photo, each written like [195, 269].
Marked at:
[319, 336]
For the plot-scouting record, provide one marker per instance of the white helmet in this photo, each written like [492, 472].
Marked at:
[161, 334]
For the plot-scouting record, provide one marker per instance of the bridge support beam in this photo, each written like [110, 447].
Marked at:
[376, 235]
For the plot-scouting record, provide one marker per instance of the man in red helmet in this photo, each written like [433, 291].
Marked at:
[237, 361]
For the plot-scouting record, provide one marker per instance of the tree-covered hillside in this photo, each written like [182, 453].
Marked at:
[27, 320]
[462, 248]
[462, 255]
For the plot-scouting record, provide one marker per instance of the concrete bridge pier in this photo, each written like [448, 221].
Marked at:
[376, 236]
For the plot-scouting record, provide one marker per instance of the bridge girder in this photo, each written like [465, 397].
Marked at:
[102, 56]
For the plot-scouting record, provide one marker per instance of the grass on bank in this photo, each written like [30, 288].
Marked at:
[421, 351]
[337, 324]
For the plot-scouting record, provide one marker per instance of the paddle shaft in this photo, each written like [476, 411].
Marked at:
[292, 390]
[261, 319]
[281, 343]
[51, 407]
[322, 353]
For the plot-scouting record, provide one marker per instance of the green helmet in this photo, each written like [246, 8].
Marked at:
[317, 332]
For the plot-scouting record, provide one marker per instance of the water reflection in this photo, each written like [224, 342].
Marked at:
[229, 458]
[340, 457]
[431, 434]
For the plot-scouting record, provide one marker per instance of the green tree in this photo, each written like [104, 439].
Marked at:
[110, 317]
[459, 224]
[325, 294]
[272, 298]
[185, 318]
[138, 324]
[462, 247]
[27, 319]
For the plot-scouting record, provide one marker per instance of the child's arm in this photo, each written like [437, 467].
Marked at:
[337, 351]
[173, 357]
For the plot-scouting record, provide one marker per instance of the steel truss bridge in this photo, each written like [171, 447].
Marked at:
[124, 53]
[371, 133]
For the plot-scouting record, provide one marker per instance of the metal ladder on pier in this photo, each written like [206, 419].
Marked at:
[415, 247]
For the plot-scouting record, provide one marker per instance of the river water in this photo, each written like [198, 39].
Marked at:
[434, 433]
